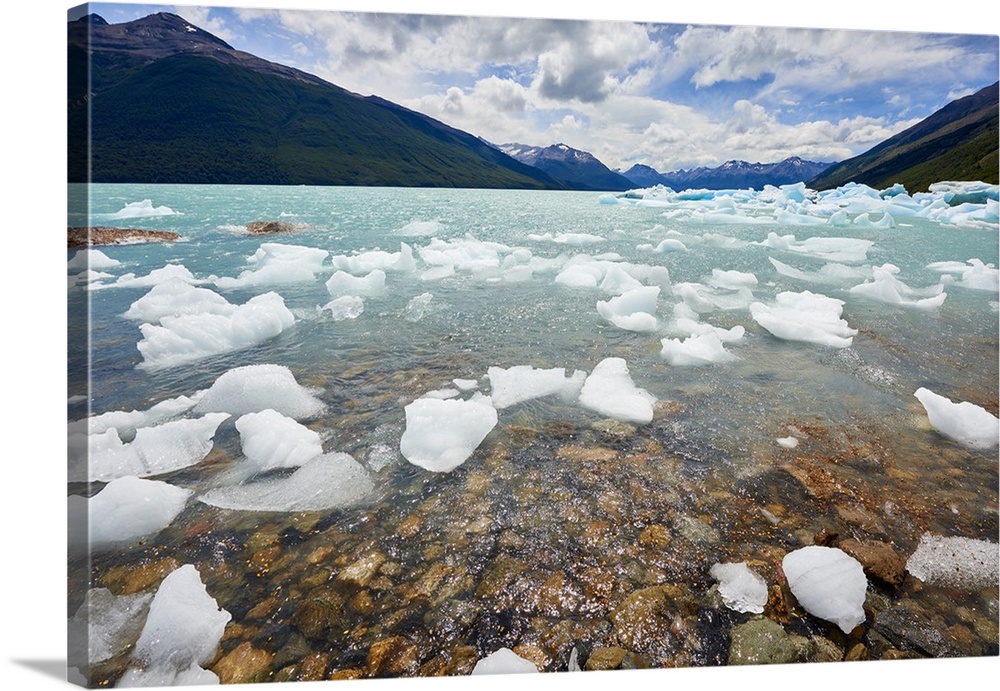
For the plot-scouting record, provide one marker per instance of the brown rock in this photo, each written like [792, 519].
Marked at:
[135, 578]
[857, 652]
[500, 574]
[654, 536]
[410, 526]
[393, 656]
[878, 559]
[534, 654]
[322, 614]
[103, 235]
[604, 658]
[313, 667]
[642, 623]
[825, 538]
[244, 664]
[361, 572]
[269, 227]
[463, 661]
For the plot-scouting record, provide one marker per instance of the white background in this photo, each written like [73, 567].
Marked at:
[33, 315]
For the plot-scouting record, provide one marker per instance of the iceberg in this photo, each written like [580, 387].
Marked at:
[253, 388]
[610, 391]
[95, 260]
[522, 383]
[698, 349]
[828, 583]
[182, 632]
[343, 283]
[169, 272]
[420, 228]
[806, 317]
[154, 450]
[741, 589]
[964, 422]
[141, 209]
[960, 563]
[504, 661]
[276, 264]
[885, 287]
[440, 435]
[364, 263]
[331, 481]
[831, 273]
[345, 307]
[184, 338]
[271, 440]
[974, 274]
[177, 297]
[633, 310]
[129, 508]
[832, 249]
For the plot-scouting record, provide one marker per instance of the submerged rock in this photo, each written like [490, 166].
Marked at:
[764, 642]
[269, 227]
[103, 235]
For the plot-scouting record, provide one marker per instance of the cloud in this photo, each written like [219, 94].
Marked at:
[201, 17]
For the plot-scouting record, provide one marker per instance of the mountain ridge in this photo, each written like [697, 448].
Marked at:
[731, 174]
[577, 167]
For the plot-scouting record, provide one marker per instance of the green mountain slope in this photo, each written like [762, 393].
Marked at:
[958, 142]
[161, 113]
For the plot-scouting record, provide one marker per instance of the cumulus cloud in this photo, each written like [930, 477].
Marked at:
[203, 19]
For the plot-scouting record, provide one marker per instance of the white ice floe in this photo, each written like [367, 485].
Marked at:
[440, 435]
[253, 388]
[129, 508]
[831, 249]
[698, 349]
[829, 274]
[343, 283]
[687, 322]
[828, 583]
[741, 589]
[417, 307]
[575, 239]
[177, 297]
[345, 307]
[731, 280]
[973, 274]
[960, 563]
[181, 634]
[126, 422]
[271, 440]
[964, 422]
[166, 273]
[702, 298]
[276, 264]
[807, 317]
[886, 287]
[504, 661]
[609, 390]
[95, 260]
[466, 384]
[420, 228]
[522, 383]
[632, 310]
[141, 209]
[104, 625]
[184, 338]
[330, 481]
[463, 254]
[787, 442]
[364, 263]
[154, 450]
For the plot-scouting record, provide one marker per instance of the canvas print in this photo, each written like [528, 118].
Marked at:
[411, 345]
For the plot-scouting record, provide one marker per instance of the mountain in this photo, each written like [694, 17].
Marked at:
[730, 175]
[169, 102]
[957, 142]
[580, 169]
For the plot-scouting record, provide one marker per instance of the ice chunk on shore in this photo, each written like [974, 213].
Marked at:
[741, 589]
[955, 562]
[253, 388]
[345, 307]
[271, 440]
[964, 422]
[343, 283]
[177, 297]
[609, 390]
[698, 349]
[885, 287]
[104, 625]
[440, 435]
[331, 481]
[807, 317]
[828, 583]
[184, 338]
[276, 264]
[154, 450]
[95, 260]
[182, 632]
[523, 382]
[129, 508]
[504, 661]
[633, 310]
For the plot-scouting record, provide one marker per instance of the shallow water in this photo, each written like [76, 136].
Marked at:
[555, 519]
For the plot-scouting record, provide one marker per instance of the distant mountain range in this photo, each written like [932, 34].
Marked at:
[580, 169]
[730, 175]
[958, 142]
[170, 102]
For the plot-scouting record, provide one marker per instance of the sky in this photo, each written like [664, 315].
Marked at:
[635, 89]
